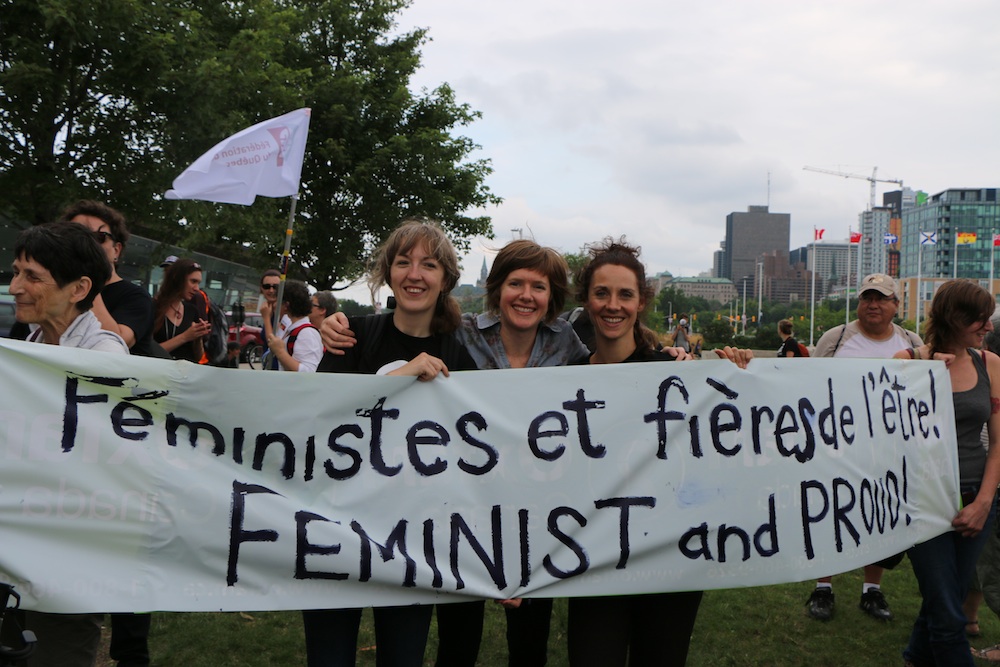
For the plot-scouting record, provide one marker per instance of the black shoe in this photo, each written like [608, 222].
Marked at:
[873, 603]
[820, 604]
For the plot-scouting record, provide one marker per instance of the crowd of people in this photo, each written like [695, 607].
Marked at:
[68, 292]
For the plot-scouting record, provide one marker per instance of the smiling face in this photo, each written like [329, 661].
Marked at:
[38, 298]
[973, 334]
[524, 299]
[614, 301]
[416, 279]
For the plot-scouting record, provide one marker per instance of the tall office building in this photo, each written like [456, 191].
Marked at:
[972, 213]
[879, 250]
[749, 236]
[834, 259]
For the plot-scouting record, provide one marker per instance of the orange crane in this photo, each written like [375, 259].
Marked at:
[872, 180]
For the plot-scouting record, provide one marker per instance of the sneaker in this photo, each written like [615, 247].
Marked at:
[820, 604]
[873, 603]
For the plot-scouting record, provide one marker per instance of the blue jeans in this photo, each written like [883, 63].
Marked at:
[944, 566]
[400, 636]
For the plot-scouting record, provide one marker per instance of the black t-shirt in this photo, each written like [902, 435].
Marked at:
[130, 305]
[789, 345]
[640, 354]
[168, 330]
[393, 345]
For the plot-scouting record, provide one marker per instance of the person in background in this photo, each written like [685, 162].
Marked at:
[127, 310]
[873, 335]
[324, 304]
[682, 335]
[634, 630]
[177, 326]
[122, 307]
[789, 346]
[958, 321]
[299, 347]
[419, 264]
[270, 283]
[59, 270]
[232, 354]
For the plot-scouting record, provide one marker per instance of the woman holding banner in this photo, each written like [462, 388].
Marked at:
[637, 630]
[420, 266]
[958, 322]
[526, 289]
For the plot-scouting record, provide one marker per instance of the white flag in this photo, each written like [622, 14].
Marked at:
[265, 160]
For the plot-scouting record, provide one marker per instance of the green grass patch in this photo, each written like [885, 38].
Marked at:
[765, 626]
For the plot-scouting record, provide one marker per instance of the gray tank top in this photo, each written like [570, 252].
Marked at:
[972, 410]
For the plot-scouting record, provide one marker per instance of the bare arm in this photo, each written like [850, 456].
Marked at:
[108, 323]
[337, 335]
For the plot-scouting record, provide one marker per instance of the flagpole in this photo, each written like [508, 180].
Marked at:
[812, 309]
[847, 287]
[954, 262]
[920, 269]
[993, 249]
[283, 267]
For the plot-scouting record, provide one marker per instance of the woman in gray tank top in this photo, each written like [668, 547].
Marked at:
[959, 319]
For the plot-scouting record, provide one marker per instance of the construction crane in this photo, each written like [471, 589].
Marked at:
[872, 180]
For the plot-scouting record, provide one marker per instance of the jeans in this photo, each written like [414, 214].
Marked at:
[400, 636]
[944, 566]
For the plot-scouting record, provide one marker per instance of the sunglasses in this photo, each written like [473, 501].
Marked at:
[316, 305]
[104, 237]
[269, 286]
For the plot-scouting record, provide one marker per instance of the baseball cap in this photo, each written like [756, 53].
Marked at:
[168, 261]
[880, 283]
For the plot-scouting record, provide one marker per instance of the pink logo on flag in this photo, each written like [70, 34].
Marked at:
[283, 137]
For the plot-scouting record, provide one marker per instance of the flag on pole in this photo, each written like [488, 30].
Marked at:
[265, 159]
[928, 238]
[818, 234]
[965, 238]
[855, 237]
[996, 239]
[889, 238]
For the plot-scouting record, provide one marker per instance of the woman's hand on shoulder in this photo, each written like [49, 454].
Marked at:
[424, 367]
[336, 333]
[740, 356]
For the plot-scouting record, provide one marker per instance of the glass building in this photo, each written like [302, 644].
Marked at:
[968, 215]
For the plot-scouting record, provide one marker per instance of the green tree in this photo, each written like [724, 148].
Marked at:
[352, 308]
[718, 332]
[112, 100]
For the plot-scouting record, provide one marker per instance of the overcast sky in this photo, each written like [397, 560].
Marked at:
[655, 118]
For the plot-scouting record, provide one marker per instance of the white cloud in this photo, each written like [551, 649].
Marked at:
[656, 118]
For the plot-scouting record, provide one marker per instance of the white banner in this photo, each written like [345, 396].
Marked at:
[132, 484]
[265, 159]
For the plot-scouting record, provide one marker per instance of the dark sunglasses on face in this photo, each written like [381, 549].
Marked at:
[103, 237]
[269, 286]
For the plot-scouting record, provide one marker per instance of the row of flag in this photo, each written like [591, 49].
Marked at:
[963, 238]
[926, 238]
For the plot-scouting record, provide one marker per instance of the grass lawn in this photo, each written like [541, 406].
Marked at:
[747, 627]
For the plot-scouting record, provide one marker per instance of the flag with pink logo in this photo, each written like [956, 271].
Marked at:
[265, 159]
